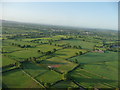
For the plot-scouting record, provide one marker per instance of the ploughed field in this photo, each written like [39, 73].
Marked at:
[58, 62]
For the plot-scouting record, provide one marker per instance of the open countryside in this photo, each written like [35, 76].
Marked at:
[47, 56]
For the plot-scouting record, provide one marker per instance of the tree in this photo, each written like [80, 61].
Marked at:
[38, 51]
[76, 53]
[80, 53]
[79, 47]
[66, 76]
[76, 61]
[47, 85]
[48, 52]
[17, 64]
[54, 50]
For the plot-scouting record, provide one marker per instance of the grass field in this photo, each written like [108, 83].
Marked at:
[47, 47]
[23, 81]
[49, 77]
[31, 52]
[77, 42]
[99, 70]
[7, 61]
[24, 54]
[33, 69]
[20, 42]
[45, 39]
[92, 78]
[67, 53]
[95, 57]
[11, 48]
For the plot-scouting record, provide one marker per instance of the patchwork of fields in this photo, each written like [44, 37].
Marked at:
[57, 62]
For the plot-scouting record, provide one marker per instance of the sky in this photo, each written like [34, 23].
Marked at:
[81, 14]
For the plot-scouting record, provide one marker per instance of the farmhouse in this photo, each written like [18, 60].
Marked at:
[53, 66]
[100, 51]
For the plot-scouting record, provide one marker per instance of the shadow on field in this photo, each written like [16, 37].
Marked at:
[51, 62]
[61, 54]
[95, 80]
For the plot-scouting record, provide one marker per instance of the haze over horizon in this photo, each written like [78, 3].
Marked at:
[102, 15]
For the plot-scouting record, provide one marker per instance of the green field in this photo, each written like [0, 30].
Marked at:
[33, 69]
[77, 42]
[47, 47]
[49, 77]
[24, 54]
[11, 48]
[95, 57]
[63, 65]
[7, 61]
[10, 41]
[95, 76]
[67, 53]
[97, 68]
[23, 81]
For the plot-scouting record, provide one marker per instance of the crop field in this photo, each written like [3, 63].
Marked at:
[24, 81]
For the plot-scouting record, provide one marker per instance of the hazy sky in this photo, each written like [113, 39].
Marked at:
[81, 14]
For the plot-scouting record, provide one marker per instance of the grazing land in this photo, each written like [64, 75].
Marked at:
[46, 56]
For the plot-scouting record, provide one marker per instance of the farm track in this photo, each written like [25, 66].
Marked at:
[33, 78]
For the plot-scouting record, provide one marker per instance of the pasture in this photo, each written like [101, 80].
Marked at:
[92, 77]
[46, 47]
[33, 69]
[18, 79]
[67, 53]
[95, 57]
[11, 48]
[76, 42]
[24, 54]
[49, 77]
[20, 42]
[7, 61]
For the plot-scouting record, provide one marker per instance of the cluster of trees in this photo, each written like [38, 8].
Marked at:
[79, 53]
[22, 46]
[48, 52]
[108, 46]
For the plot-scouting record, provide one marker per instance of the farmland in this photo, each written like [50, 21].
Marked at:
[43, 56]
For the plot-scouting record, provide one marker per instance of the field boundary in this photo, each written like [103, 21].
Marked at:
[33, 78]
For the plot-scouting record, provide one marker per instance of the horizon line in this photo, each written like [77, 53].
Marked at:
[58, 25]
